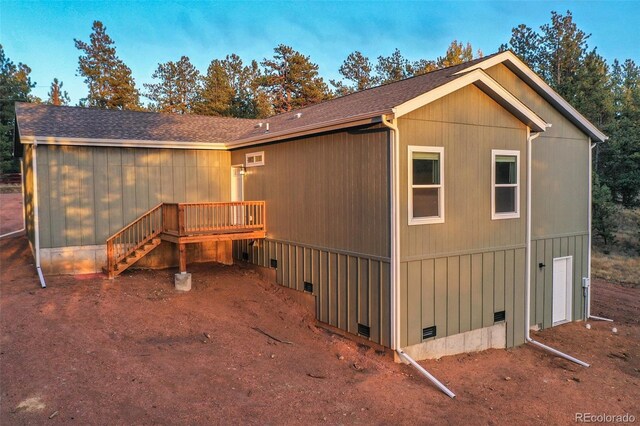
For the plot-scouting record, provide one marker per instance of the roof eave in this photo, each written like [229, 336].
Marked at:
[326, 126]
[121, 143]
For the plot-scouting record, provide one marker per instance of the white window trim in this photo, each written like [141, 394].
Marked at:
[254, 163]
[425, 220]
[510, 215]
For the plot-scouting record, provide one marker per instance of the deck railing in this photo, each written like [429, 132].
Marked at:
[182, 220]
[133, 236]
[199, 218]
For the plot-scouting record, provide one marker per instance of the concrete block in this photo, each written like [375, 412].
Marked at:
[183, 282]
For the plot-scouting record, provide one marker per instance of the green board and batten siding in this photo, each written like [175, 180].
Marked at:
[560, 199]
[88, 193]
[456, 274]
[327, 201]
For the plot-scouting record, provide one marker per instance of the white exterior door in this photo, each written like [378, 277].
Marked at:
[562, 289]
[237, 193]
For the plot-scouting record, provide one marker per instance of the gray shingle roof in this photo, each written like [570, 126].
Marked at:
[89, 123]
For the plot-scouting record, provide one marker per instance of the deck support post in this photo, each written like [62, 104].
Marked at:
[182, 251]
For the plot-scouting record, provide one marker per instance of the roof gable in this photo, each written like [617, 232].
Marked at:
[511, 61]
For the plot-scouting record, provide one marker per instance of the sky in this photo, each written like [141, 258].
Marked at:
[41, 33]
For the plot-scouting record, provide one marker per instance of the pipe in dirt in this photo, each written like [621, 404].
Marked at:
[425, 373]
[527, 292]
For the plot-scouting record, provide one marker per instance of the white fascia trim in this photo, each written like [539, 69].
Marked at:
[488, 85]
[369, 118]
[543, 89]
[121, 143]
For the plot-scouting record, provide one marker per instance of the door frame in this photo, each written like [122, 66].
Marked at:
[240, 169]
[569, 290]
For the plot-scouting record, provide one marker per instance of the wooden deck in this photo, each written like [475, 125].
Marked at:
[184, 223]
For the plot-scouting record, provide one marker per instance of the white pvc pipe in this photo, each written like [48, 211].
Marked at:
[600, 318]
[36, 216]
[425, 373]
[527, 295]
[395, 232]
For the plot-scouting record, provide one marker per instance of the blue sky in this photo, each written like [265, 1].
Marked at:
[41, 33]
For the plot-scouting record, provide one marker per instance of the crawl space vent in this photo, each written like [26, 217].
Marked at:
[274, 263]
[245, 255]
[308, 287]
[429, 332]
[499, 316]
[364, 330]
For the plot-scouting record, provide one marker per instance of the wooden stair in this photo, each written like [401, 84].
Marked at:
[181, 224]
[133, 257]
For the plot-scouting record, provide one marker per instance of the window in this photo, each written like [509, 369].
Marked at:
[426, 185]
[254, 159]
[505, 191]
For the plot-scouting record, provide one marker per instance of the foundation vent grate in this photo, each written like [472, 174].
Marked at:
[429, 332]
[499, 316]
[245, 255]
[308, 287]
[364, 330]
[274, 263]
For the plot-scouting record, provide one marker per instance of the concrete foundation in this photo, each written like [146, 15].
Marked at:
[494, 337]
[183, 282]
[90, 259]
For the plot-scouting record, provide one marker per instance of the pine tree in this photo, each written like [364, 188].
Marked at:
[356, 68]
[423, 66]
[392, 68]
[217, 94]
[562, 50]
[109, 80]
[15, 85]
[525, 43]
[456, 54]
[57, 96]
[178, 87]
[620, 165]
[292, 80]
[604, 211]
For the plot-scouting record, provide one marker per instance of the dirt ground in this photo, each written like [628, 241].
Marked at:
[87, 350]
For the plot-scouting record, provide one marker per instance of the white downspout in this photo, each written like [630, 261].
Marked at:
[36, 216]
[588, 300]
[395, 256]
[527, 293]
[24, 212]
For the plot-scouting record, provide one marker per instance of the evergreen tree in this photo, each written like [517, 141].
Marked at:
[620, 165]
[15, 85]
[177, 89]
[292, 80]
[525, 43]
[592, 91]
[217, 94]
[392, 68]
[604, 211]
[57, 96]
[562, 50]
[423, 66]
[109, 80]
[231, 88]
[456, 54]
[356, 68]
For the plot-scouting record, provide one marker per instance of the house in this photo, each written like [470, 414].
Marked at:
[437, 214]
